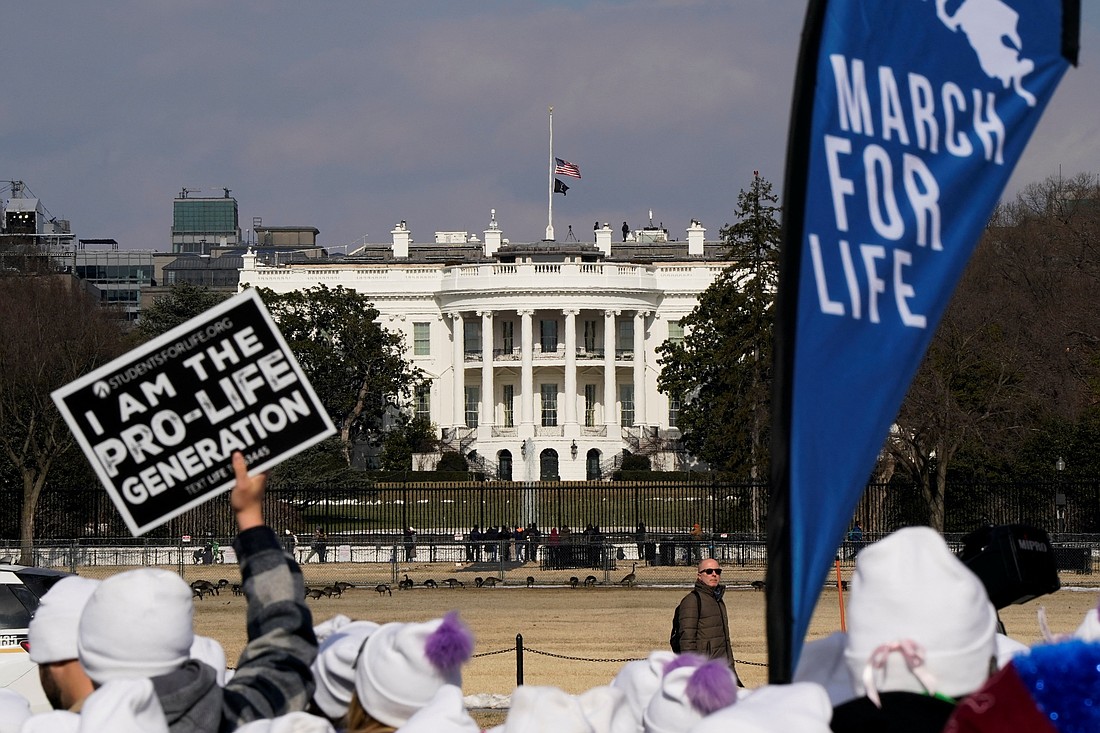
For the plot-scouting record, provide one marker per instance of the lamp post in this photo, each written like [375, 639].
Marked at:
[1059, 497]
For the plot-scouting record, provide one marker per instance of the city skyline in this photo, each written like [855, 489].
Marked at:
[351, 117]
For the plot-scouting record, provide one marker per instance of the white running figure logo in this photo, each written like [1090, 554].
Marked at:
[991, 28]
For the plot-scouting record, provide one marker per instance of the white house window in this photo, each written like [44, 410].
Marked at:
[589, 405]
[549, 404]
[509, 397]
[473, 397]
[422, 339]
[626, 335]
[673, 412]
[471, 334]
[589, 336]
[626, 405]
[423, 401]
[675, 332]
[507, 338]
[548, 336]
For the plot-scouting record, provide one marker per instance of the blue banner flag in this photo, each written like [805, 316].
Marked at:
[908, 118]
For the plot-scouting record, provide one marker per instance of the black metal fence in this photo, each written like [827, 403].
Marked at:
[736, 511]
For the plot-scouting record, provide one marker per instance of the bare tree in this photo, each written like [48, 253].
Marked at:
[1018, 343]
[51, 332]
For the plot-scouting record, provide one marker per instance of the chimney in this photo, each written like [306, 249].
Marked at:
[492, 235]
[401, 239]
[695, 234]
[248, 260]
[603, 239]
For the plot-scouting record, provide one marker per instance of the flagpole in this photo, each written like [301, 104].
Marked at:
[550, 186]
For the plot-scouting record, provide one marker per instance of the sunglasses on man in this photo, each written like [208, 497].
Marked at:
[711, 571]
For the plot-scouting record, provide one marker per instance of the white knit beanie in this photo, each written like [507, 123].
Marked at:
[640, 680]
[1008, 649]
[54, 721]
[289, 723]
[325, 629]
[822, 662]
[911, 597]
[444, 713]
[1089, 630]
[123, 706]
[538, 709]
[403, 665]
[607, 710]
[800, 707]
[136, 624]
[14, 709]
[334, 667]
[688, 694]
[52, 631]
[211, 653]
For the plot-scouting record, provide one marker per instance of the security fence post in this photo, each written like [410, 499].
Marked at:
[519, 659]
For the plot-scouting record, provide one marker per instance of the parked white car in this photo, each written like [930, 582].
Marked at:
[20, 589]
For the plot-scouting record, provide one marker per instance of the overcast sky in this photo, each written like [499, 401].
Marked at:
[351, 116]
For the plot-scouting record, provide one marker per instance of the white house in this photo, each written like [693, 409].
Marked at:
[542, 356]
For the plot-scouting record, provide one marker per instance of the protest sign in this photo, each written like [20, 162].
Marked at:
[160, 424]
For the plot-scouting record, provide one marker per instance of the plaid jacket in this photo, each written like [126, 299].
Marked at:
[273, 674]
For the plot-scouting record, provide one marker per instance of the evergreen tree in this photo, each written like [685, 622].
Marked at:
[721, 372]
[181, 303]
[356, 367]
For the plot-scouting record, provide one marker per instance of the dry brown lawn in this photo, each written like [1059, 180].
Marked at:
[601, 623]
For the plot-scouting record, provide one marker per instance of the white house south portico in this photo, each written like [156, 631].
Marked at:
[541, 357]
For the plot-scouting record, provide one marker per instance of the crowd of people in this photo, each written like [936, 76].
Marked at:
[921, 653]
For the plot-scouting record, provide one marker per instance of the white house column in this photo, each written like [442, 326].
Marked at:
[639, 368]
[488, 400]
[526, 375]
[458, 358]
[572, 429]
[609, 371]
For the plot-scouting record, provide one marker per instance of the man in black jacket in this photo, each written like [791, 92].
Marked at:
[701, 615]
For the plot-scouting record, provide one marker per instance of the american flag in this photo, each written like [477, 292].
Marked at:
[565, 168]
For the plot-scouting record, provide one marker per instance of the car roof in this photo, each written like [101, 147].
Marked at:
[22, 570]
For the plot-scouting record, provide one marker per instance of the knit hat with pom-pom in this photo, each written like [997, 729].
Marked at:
[641, 679]
[1054, 689]
[404, 665]
[334, 667]
[688, 694]
[800, 706]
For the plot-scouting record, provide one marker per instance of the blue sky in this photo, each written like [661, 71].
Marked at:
[351, 116]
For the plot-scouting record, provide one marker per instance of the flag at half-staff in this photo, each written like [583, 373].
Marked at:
[897, 154]
[560, 187]
[565, 168]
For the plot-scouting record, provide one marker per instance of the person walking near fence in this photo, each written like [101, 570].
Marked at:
[700, 624]
[533, 537]
[696, 547]
[319, 547]
[519, 544]
[553, 548]
[473, 545]
[409, 539]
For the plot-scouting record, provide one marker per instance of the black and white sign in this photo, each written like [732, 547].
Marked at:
[161, 423]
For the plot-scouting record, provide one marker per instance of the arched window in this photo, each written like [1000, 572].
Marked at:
[548, 465]
[504, 465]
[592, 465]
